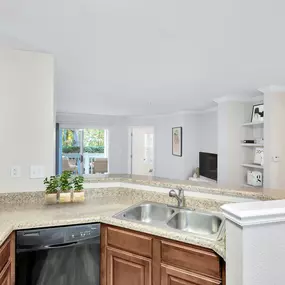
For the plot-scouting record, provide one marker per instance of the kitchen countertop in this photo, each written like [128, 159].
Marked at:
[195, 186]
[95, 210]
[102, 208]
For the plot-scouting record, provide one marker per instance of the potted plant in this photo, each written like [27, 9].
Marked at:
[65, 184]
[51, 189]
[78, 192]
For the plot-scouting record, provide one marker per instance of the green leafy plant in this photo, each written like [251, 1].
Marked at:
[51, 185]
[89, 149]
[65, 181]
[78, 183]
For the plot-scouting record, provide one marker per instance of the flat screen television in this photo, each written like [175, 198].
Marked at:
[208, 164]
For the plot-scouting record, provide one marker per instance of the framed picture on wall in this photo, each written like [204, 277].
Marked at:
[257, 113]
[177, 141]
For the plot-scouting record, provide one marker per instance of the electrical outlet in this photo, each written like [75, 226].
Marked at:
[276, 158]
[15, 171]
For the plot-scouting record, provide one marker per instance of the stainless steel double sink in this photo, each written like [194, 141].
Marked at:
[207, 224]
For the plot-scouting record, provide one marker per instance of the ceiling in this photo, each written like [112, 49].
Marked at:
[131, 57]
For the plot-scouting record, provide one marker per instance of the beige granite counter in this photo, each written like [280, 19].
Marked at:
[95, 210]
[27, 210]
[202, 187]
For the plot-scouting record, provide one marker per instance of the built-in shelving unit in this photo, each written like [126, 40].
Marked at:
[251, 131]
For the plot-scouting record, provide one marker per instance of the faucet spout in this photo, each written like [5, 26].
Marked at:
[179, 197]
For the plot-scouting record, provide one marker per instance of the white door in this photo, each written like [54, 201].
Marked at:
[142, 153]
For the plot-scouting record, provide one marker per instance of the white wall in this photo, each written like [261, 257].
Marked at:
[208, 131]
[26, 117]
[166, 165]
[118, 135]
[274, 138]
[231, 115]
[215, 132]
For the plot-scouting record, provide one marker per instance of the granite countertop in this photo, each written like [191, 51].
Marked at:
[92, 211]
[202, 187]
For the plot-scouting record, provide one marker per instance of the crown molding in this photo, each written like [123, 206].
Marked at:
[255, 213]
[213, 109]
[238, 98]
[272, 89]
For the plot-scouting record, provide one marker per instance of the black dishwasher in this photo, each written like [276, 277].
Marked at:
[58, 256]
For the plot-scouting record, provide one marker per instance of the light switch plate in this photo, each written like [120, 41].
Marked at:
[37, 171]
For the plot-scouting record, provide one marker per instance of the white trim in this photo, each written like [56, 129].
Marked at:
[255, 213]
[239, 98]
[213, 109]
[272, 89]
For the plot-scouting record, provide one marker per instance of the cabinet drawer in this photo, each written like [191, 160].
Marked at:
[130, 241]
[175, 276]
[5, 275]
[191, 258]
[5, 250]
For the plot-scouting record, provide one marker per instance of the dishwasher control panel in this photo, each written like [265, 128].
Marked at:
[83, 232]
[44, 237]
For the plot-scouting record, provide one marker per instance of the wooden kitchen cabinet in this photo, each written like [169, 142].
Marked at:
[175, 276]
[5, 276]
[7, 261]
[127, 268]
[133, 258]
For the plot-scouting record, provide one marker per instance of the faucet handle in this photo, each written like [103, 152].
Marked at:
[172, 193]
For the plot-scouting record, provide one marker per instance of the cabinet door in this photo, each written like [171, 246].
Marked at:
[175, 276]
[125, 268]
[5, 276]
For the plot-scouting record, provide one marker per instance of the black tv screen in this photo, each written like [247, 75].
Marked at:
[208, 164]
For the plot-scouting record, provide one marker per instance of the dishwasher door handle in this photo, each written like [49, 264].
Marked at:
[93, 240]
[62, 245]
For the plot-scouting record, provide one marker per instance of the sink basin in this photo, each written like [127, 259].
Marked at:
[148, 213]
[196, 222]
[206, 224]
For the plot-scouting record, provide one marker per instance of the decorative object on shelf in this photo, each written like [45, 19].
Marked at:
[196, 172]
[78, 192]
[259, 156]
[248, 141]
[65, 185]
[254, 178]
[257, 113]
[177, 141]
[51, 189]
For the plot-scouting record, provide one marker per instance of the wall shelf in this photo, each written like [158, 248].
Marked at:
[252, 124]
[252, 165]
[252, 144]
[250, 186]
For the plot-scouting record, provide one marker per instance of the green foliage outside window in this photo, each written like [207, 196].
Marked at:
[93, 141]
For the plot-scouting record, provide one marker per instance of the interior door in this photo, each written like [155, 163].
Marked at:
[142, 151]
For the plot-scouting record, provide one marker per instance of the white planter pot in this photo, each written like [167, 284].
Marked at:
[65, 197]
[78, 197]
[51, 198]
